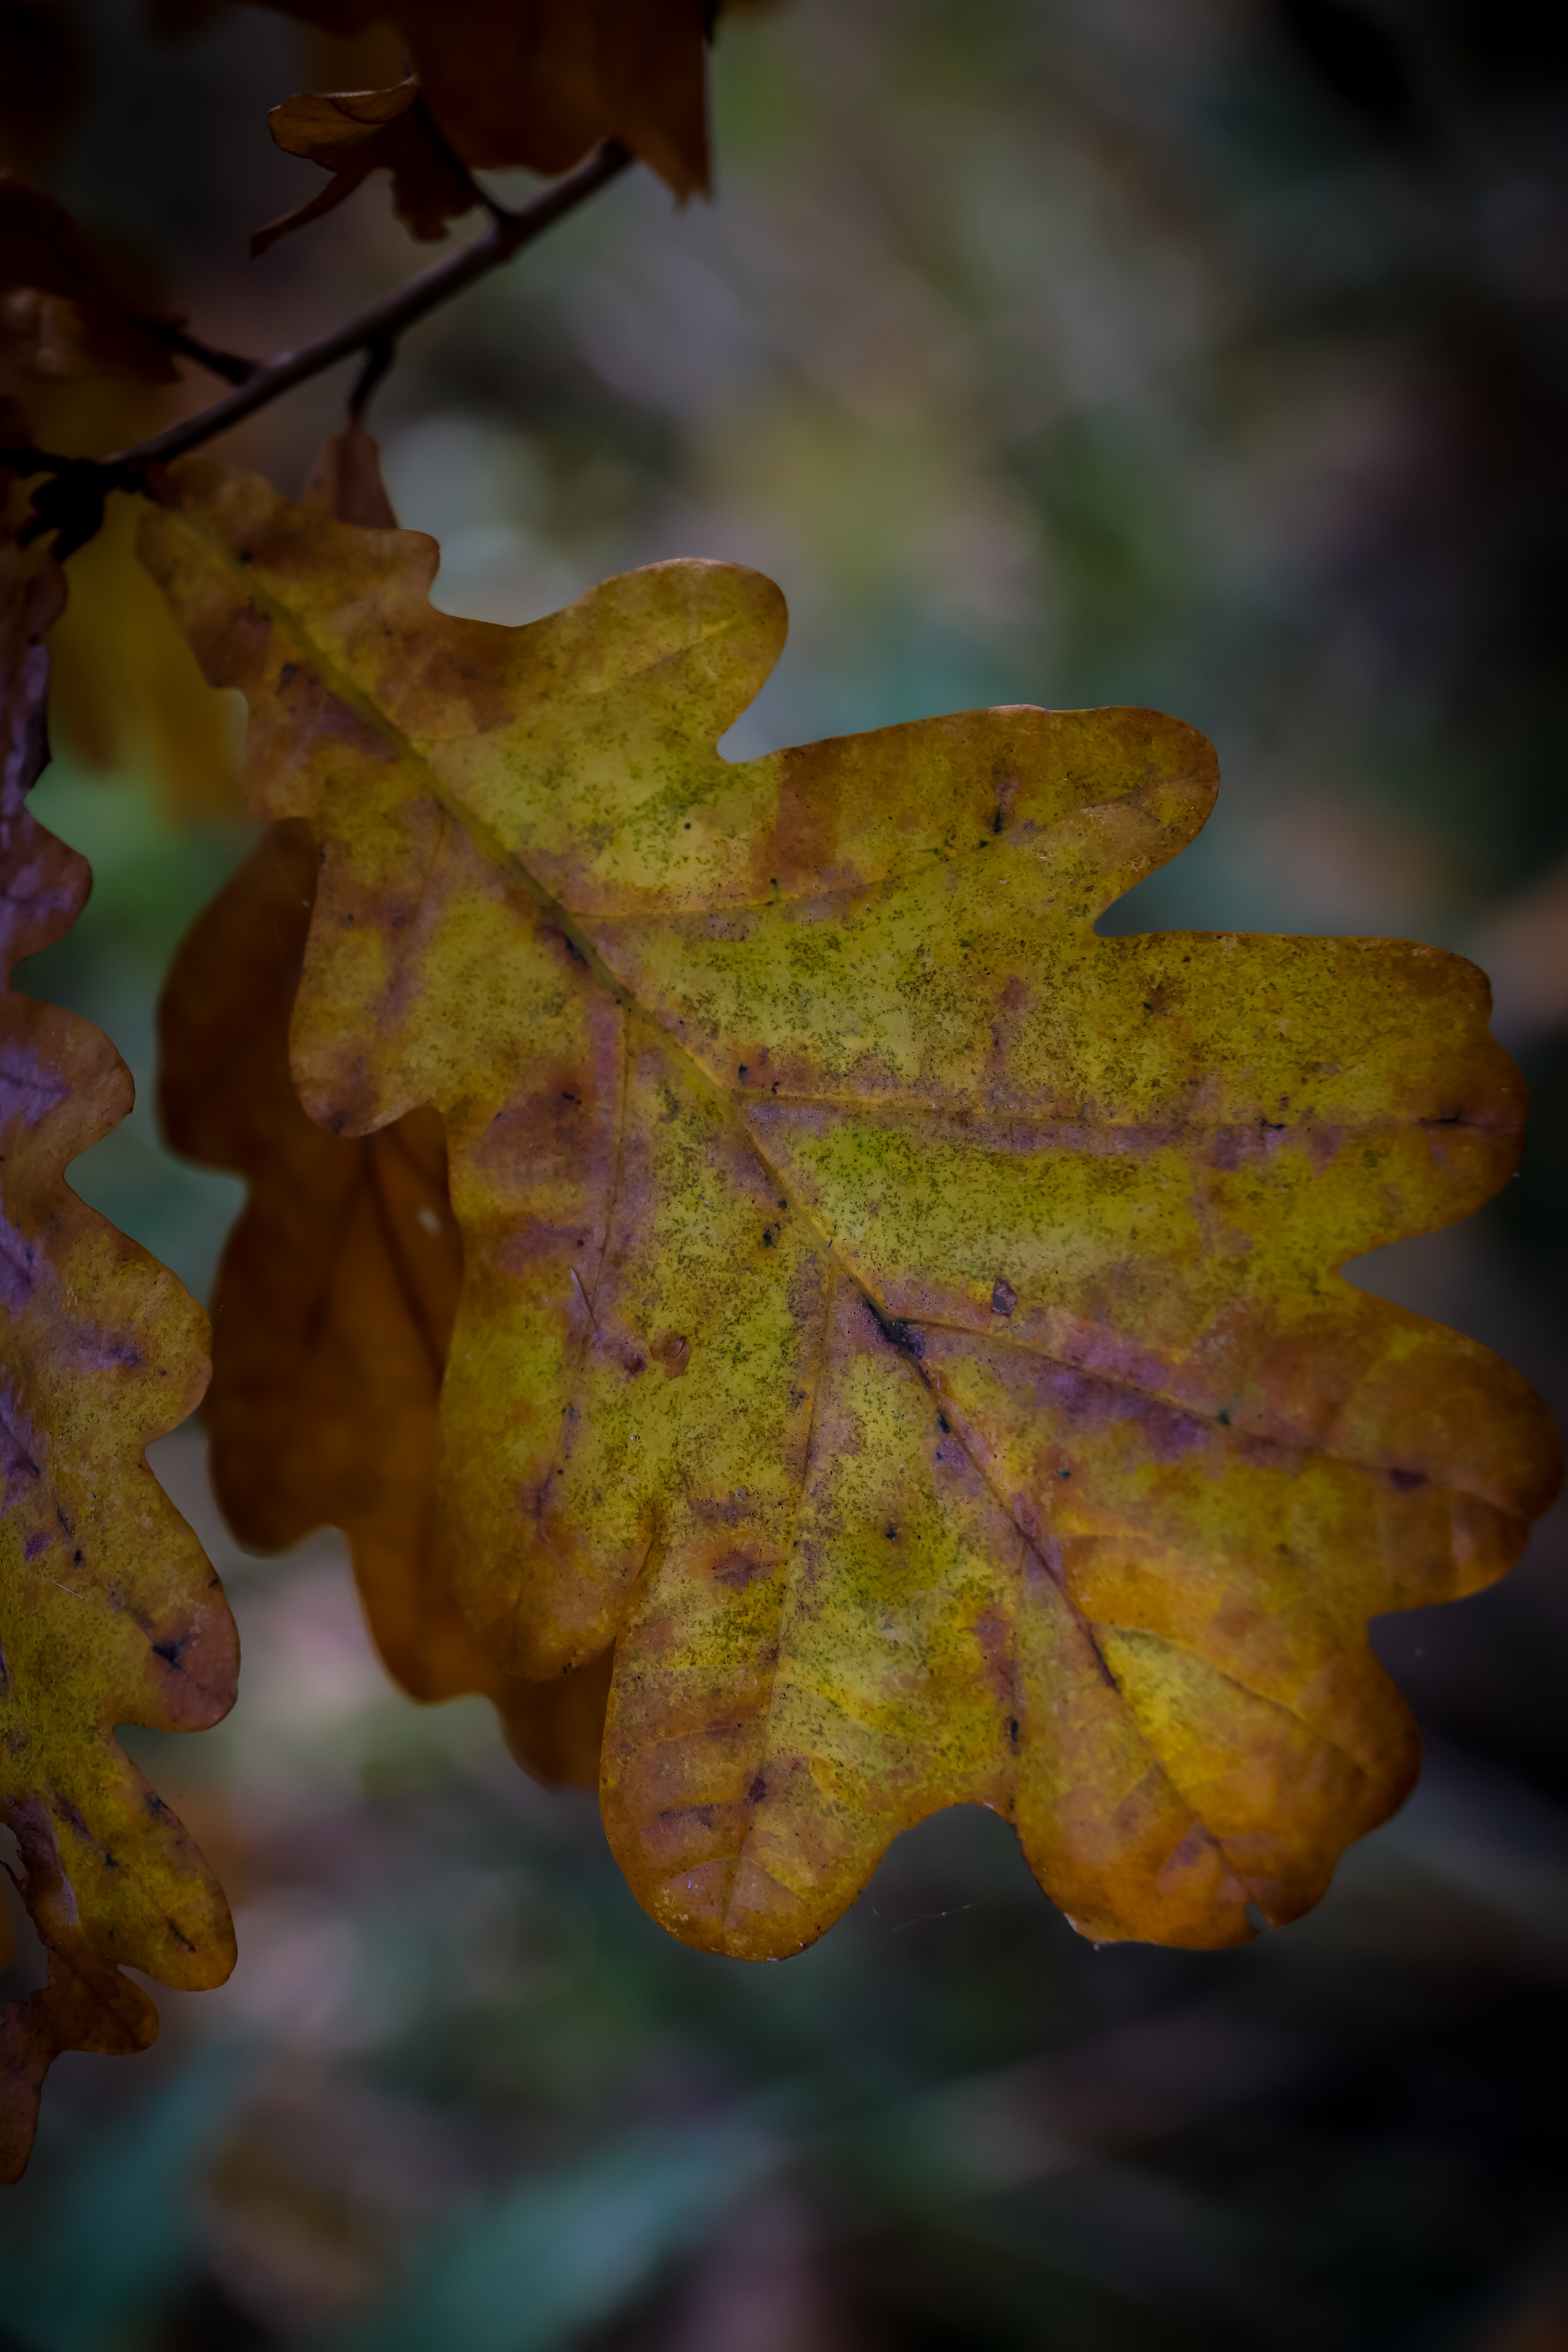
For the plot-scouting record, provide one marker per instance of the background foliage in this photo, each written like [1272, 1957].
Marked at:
[1207, 353]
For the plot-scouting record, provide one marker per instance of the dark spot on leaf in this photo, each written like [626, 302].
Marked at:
[1013, 1729]
[1224, 1420]
[770, 1234]
[1408, 1481]
[289, 673]
[898, 1334]
[76, 1560]
[1003, 1297]
[892, 1534]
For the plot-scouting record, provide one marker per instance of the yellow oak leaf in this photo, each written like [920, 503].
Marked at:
[908, 1324]
[335, 1299]
[109, 1612]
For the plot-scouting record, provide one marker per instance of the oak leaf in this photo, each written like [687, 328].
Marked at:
[541, 82]
[334, 1303]
[907, 1323]
[355, 132]
[65, 310]
[334, 1308]
[109, 1612]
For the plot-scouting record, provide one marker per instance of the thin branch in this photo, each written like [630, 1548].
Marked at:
[385, 320]
[70, 503]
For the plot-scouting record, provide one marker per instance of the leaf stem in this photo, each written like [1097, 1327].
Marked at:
[228, 364]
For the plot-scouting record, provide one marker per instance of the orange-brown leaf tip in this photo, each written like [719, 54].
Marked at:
[346, 481]
[1028, 1448]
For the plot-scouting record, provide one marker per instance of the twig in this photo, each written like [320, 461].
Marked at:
[377, 361]
[385, 320]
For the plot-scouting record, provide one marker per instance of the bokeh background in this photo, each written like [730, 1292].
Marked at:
[1204, 353]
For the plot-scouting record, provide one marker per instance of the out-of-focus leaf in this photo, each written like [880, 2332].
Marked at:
[334, 1305]
[126, 695]
[64, 310]
[109, 1612]
[908, 1324]
[358, 131]
[558, 2256]
[119, 2230]
[538, 82]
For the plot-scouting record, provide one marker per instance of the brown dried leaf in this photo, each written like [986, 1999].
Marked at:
[360, 132]
[109, 1612]
[333, 1309]
[540, 82]
[64, 310]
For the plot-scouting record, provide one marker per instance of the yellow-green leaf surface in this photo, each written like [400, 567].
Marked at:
[906, 1324]
[110, 1611]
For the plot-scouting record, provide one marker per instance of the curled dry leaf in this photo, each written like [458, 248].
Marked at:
[64, 310]
[908, 1322]
[109, 1612]
[334, 1303]
[540, 82]
[362, 131]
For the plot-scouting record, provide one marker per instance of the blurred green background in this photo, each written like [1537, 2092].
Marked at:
[1204, 353]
